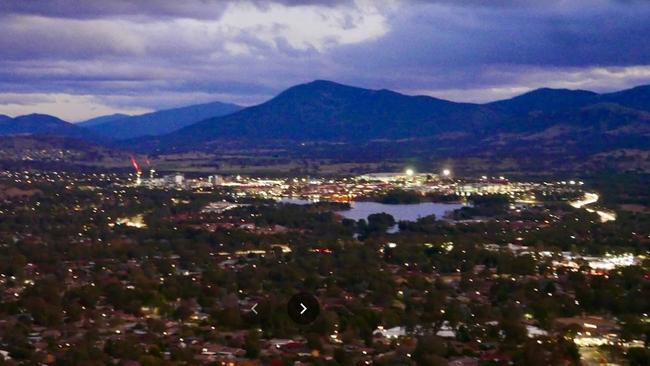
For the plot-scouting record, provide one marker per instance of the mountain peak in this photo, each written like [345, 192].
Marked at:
[545, 100]
[103, 119]
[330, 90]
[158, 122]
[328, 111]
[639, 88]
[323, 82]
[39, 118]
[637, 97]
[638, 92]
[322, 85]
[41, 124]
[557, 92]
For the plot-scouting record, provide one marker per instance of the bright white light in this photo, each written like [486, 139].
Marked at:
[446, 172]
[409, 172]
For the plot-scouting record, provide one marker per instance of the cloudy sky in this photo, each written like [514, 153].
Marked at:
[82, 59]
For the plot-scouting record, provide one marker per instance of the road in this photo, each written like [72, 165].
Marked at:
[590, 198]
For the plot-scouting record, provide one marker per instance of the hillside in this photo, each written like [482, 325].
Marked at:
[54, 152]
[637, 97]
[159, 122]
[42, 125]
[102, 119]
[330, 112]
[323, 110]
[544, 100]
[323, 120]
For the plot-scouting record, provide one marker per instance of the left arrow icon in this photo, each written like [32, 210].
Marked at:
[253, 309]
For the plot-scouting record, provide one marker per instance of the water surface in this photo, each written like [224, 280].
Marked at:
[401, 212]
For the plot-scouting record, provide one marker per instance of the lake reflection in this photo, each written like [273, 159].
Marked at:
[401, 212]
[405, 212]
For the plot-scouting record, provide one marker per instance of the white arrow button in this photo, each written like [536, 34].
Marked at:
[304, 308]
[253, 309]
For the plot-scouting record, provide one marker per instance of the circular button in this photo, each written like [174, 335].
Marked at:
[303, 308]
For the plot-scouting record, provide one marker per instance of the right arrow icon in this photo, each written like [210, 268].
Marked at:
[303, 308]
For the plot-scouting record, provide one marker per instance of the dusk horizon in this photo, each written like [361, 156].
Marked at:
[171, 107]
[78, 62]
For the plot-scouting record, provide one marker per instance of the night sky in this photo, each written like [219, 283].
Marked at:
[79, 59]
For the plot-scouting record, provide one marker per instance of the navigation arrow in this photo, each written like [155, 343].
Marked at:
[303, 308]
[253, 309]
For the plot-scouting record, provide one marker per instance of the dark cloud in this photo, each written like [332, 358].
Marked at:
[200, 9]
[101, 9]
[439, 47]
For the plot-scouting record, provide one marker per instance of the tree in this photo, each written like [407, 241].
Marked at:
[638, 356]
[430, 351]
[252, 344]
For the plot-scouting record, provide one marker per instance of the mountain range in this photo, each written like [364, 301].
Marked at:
[346, 120]
[324, 111]
[110, 128]
[119, 127]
